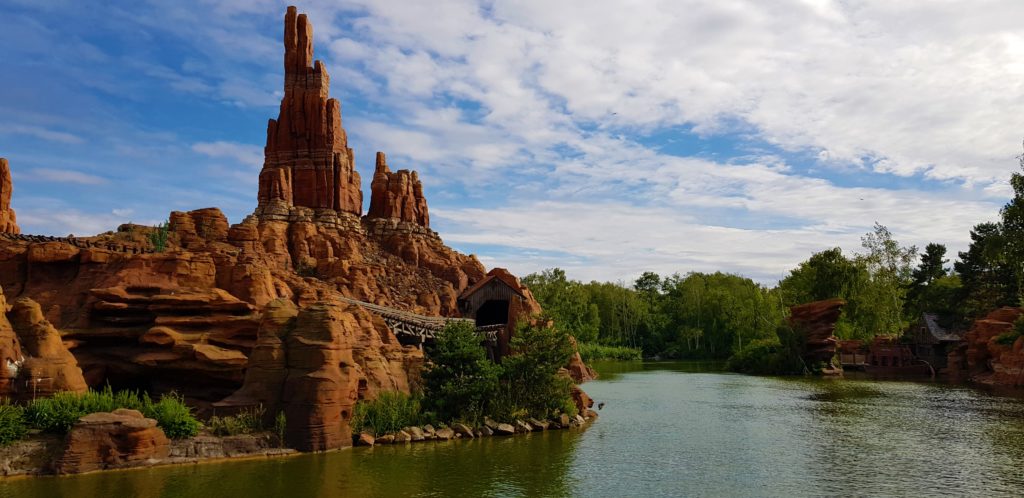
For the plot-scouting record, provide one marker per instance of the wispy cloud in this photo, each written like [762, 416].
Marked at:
[250, 155]
[41, 133]
[61, 176]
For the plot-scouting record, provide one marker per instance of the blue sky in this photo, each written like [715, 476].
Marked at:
[605, 137]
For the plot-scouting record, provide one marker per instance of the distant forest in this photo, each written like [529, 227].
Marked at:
[887, 287]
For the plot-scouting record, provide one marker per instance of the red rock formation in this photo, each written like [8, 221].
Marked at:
[983, 359]
[197, 228]
[308, 162]
[397, 195]
[48, 366]
[816, 322]
[119, 439]
[11, 357]
[8, 222]
[315, 363]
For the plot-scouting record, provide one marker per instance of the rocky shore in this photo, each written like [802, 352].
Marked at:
[124, 440]
[489, 428]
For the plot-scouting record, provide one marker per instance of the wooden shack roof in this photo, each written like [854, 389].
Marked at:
[498, 274]
[939, 333]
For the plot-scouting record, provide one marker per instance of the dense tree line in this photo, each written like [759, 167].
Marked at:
[887, 287]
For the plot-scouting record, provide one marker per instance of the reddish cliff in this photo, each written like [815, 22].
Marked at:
[8, 222]
[308, 162]
[984, 358]
[816, 323]
[246, 314]
[397, 195]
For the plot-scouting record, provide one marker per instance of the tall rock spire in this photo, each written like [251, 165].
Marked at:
[397, 195]
[8, 222]
[307, 162]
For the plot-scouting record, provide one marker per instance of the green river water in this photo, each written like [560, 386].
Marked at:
[667, 429]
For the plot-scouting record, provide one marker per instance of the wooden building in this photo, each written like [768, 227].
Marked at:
[498, 302]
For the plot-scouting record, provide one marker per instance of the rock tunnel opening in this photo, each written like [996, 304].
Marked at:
[493, 312]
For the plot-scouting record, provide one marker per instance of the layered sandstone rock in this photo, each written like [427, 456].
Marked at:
[8, 221]
[816, 323]
[11, 358]
[119, 439]
[308, 162]
[984, 358]
[314, 364]
[48, 366]
[397, 195]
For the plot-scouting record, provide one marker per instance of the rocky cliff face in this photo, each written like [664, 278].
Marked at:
[8, 222]
[816, 323]
[984, 359]
[397, 195]
[308, 162]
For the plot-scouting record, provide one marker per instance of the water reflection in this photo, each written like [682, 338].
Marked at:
[666, 429]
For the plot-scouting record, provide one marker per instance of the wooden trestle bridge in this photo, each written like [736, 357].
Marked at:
[420, 328]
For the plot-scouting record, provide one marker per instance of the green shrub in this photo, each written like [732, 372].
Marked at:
[460, 380]
[12, 423]
[158, 237]
[529, 379]
[280, 426]
[58, 413]
[1010, 336]
[244, 422]
[172, 415]
[390, 412]
[590, 352]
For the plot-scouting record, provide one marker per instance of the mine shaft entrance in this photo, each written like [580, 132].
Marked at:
[492, 312]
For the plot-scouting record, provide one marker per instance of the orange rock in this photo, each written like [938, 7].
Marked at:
[48, 365]
[8, 221]
[119, 439]
[308, 162]
[397, 195]
[11, 357]
[816, 322]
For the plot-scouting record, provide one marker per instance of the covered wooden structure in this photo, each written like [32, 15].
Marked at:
[496, 303]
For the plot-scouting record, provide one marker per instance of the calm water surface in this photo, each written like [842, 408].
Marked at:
[667, 429]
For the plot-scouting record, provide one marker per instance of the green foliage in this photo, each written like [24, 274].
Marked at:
[1010, 336]
[280, 426]
[244, 422]
[773, 356]
[389, 413]
[12, 422]
[172, 415]
[529, 380]
[590, 352]
[158, 237]
[58, 413]
[460, 379]
[567, 302]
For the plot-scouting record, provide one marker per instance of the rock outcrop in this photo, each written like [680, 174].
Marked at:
[119, 439]
[985, 357]
[308, 162]
[397, 195]
[235, 316]
[11, 357]
[8, 221]
[48, 367]
[816, 323]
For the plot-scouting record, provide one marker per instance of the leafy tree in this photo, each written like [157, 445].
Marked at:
[567, 302]
[987, 279]
[529, 382]
[933, 289]
[460, 380]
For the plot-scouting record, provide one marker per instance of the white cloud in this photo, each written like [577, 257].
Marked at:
[247, 154]
[41, 133]
[63, 176]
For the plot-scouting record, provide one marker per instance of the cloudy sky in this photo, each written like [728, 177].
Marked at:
[604, 137]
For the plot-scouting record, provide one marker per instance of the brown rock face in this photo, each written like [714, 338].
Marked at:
[308, 162]
[119, 439]
[48, 366]
[984, 360]
[11, 357]
[8, 222]
[816, 322]
[397, 195]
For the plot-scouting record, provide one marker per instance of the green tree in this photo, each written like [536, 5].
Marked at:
[529, 382]
[987, 279]
[566, 301]
[459, 380]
